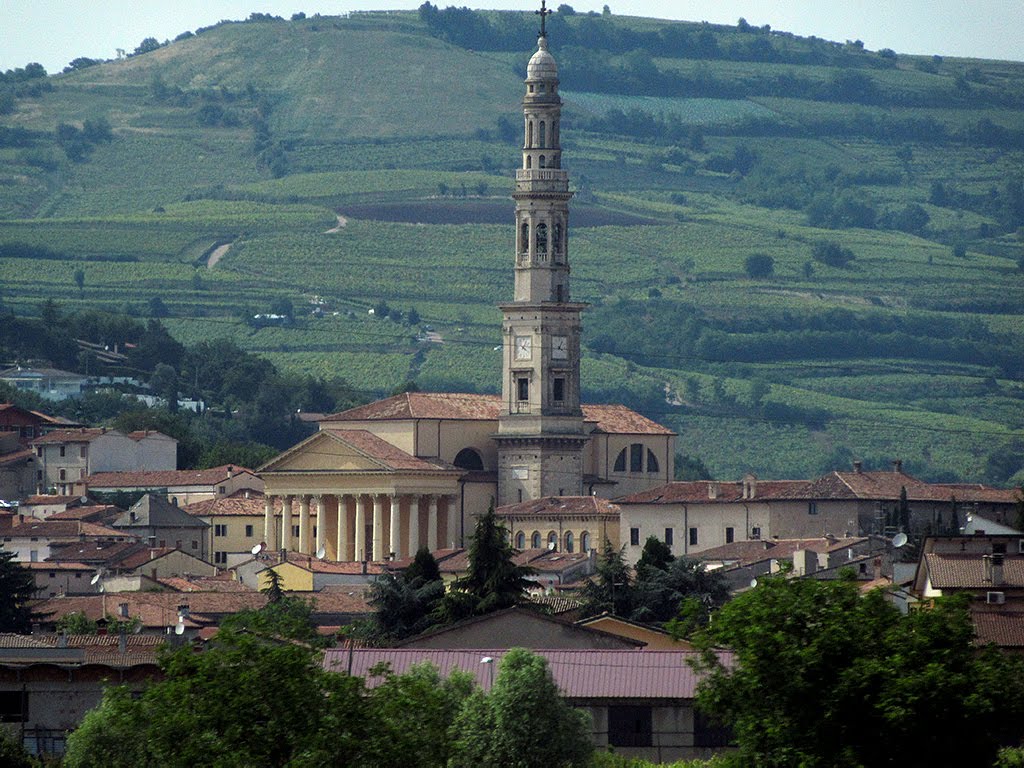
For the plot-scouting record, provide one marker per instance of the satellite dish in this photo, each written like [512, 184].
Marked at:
[137, 630]
[753, 583]
[257, 549]
[95, 578]
[551, 546]
[899, 540]
[180, 628]
[101, 588]
[321, 553]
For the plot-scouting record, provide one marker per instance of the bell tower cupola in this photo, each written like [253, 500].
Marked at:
[540, 430]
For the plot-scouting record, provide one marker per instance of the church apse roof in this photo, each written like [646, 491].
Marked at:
[609, 419]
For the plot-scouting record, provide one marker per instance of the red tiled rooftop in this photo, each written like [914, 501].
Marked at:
[702, 491]
[47, 499]
[967, 571]
[90, 512]
[165, 478]
[240, 503]
[80, 435]
[744, 553]
[16, 457]
[1005, 629]
[62, 529]
[204, 584]
[613, 419]
[381, 450]
[562, 506]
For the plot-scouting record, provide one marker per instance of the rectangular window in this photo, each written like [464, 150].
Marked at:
[295, 531]
[63, 451]
[222, 490]
[39, 451]
[220, 530]
[630, 726]
[522, 388]
[634, 537]
[82, 451]
[693, 537]
[520, 473]
[220, 558]
[63, 474]
[636, 458]
[558, 390]
[195, 544]
[669, 535]
[755, 533]
[730, 535]
[13, 706]
[248, 531]
[812, 508]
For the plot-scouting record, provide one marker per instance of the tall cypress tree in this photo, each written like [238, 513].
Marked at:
[17, 588]
[493, 580]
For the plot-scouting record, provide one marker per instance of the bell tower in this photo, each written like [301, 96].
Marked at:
[540, 429]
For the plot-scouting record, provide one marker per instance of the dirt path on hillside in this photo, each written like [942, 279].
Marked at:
[217, 254]
[342, 222]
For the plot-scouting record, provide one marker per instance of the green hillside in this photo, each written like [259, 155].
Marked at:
[347, 163]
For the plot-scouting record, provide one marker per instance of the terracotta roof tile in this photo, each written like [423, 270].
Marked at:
[967, 571]
[164, 478]
[16, 457]
[744, 553]
[387, 454]
[49, 500]
[90, 513]
[81, 435]
[63, 529]
[613, 419]
[312, 564]
[104, 553]
[560, 506]
[695, 491]
[1005, 629]
[240, 503]
[204, 584]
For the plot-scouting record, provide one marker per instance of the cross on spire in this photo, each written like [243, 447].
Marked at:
[543, 13]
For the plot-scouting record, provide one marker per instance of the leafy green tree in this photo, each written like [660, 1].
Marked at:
[826, 677]
[76, 623]
[691, 468]
[493, 580]
[12, 754]
[659, 592]
[80, 280]
[17, 588]
[656, 554]
[612, 588]
[759, 265]
[402, 608]
[523, 722]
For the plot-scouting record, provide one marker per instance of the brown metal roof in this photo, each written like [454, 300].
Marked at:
[579, 674]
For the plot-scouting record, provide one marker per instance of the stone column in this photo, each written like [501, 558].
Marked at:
[432, 524]
[344, 551]
[396, 527]
[454, 529]
[286, 523]
[378, 527]
[359, 548]
[321, 523]
[269, 523]
[414, 525]
[304, 524]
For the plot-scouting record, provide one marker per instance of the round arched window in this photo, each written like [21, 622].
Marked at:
[469, 458]
[552, 541]
[585, 541]
[570, 541]
[535, 540]
[520, 540]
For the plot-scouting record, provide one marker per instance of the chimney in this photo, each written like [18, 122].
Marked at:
[877, 573]
[997, 570]
[897, 466]
[713, 490]
[231, 471]
[858, 467]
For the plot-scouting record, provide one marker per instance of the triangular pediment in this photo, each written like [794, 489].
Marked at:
[324, 452]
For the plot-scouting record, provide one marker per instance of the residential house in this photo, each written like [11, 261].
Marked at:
[33, 540]
[62, 578]
[48, 383]
[305, 573]
[694, 516]
[235, 523]
[49, 682]
[641, 703]
[653, 638]
[181, 487]
[162, 524]
[28, 424]
[65, 457]
[17, 468]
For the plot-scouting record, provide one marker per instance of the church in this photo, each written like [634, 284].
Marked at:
[381, 480]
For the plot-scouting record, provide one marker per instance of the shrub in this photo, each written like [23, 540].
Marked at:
[832, 253]
[759, 265]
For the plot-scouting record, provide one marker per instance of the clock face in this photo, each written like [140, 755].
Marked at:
[523, 347]
[559, 347]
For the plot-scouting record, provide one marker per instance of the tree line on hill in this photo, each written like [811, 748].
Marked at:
[251, 407]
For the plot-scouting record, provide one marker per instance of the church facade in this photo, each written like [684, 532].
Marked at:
[382, 480]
